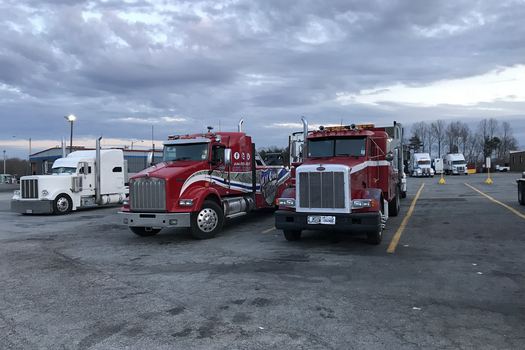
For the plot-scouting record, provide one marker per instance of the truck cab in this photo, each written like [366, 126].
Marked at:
[455, 164]
[420, 165]
[349, 180]
[76, 181]
[202, 180]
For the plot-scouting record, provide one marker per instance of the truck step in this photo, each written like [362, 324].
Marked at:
[236, 215]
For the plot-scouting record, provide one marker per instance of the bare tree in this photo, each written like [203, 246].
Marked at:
[452, 133]
[464, 133]
[508, 142]
[418, 131]
[438, 130]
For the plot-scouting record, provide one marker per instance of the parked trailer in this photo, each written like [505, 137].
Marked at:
[203, 180]
[348, 181]
[83, 179]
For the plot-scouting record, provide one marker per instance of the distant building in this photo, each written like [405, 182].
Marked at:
[517, 161]
[41, 162]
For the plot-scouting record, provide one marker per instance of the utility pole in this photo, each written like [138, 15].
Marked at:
[4, 162]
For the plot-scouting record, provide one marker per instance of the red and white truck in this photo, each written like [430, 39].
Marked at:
[202, 180]
[350, 179]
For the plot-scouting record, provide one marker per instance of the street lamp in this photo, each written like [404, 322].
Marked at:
[71, 118]
[4, 162]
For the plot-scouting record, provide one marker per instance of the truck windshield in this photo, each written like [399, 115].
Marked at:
[353, 147]
[190, 151]
[458, 162]
[424, 162]
[64, 170]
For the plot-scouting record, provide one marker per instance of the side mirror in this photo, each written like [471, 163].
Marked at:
[389, 156]
[149, 159]
[86, 169]
[227, 156]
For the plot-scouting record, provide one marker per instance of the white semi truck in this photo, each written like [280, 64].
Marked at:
[455, 164]
[419, 165]
[83, 179]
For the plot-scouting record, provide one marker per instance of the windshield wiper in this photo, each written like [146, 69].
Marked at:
[182, 158]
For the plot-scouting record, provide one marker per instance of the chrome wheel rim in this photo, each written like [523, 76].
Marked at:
[207, 220]
[62, 204]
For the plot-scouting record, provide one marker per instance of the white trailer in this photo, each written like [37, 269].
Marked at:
[438, 166]
[419, 165]
[455, 163]
[83, 179]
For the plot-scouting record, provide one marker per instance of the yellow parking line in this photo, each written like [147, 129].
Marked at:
[268, 230]
[395, 240]
[521, 215]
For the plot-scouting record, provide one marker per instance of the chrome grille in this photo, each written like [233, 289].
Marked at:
[321, 189]
[29, 188]
[147, 194]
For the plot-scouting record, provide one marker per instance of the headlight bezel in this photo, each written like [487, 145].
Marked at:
[363, 203]
[186, 202]
[286, 202]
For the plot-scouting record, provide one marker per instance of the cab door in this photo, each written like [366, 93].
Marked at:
[87, 171]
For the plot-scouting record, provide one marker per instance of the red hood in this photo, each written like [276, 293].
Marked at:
[348, 161]
[171, 170]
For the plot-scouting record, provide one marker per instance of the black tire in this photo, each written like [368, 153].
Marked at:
[375, 237]
[521, 192]
[144, 231]
[62, 204]
[208, 221]
[292, 235]
[403, 194]
[394, 205]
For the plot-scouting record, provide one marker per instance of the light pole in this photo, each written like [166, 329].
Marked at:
[4, 162]
[71, 118]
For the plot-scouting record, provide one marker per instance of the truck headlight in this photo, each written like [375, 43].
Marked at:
[186, 202]
[362, 203]
[44, 193]
[286, 202]
[16, 193]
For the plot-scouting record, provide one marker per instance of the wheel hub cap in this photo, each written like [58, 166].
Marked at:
[207, 220]
[62, 204]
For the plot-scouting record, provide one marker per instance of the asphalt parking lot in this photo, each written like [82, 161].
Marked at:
[455, 280]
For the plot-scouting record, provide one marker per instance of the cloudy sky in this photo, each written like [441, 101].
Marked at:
[123, 66]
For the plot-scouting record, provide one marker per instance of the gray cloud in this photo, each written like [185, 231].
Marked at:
[206, 61]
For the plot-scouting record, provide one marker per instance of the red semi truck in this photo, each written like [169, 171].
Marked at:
[350, 179]
[202, 180]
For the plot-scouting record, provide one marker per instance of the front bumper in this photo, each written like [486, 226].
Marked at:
[32, 206]
[155, 220]
[353, 222]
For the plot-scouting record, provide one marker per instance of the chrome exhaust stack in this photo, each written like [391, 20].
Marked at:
[98, 198]
[239, 127]
[305, 134]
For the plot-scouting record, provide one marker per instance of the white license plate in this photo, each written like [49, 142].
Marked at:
[320, 220]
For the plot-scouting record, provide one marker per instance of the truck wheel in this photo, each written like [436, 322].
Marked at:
[375, 237]
[208, 221]
[292, 235]
[144, 231]
[62, 204]
[394, 205]
[403, 194]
